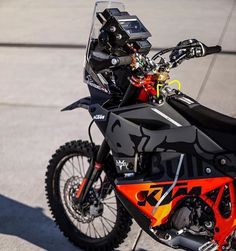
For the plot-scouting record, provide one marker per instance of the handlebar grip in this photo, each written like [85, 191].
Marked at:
[212, 50]
[126, 60]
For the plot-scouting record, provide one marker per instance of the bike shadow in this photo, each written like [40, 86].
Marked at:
[31, 224]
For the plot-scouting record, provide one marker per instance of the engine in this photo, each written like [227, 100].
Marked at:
[194, 216]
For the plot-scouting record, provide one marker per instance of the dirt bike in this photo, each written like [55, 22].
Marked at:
[166, 161]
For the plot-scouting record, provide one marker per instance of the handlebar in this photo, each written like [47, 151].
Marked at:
[184, 50]
[212, 50]
[191, 48]
[118, 61]
[148, 73]
[100, 61]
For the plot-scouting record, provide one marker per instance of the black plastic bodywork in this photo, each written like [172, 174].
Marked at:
[126, 135]
[81, 103]
[148, 128]
[218, 126]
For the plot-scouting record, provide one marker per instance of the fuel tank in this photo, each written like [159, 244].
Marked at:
[151, 128]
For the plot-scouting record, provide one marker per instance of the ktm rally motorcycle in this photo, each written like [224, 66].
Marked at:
[166, 161]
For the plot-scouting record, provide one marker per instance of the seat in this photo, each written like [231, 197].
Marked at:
[217, 126]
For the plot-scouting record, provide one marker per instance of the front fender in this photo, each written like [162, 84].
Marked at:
[81, 103]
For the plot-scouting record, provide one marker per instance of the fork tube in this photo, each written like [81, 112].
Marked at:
[93, 172]
[130, 95]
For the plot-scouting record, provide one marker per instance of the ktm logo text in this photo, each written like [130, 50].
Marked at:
[149, 197]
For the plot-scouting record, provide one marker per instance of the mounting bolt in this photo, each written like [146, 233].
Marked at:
[112, 28]
[119, 36]
[223, 162]
[115, 61]
[167, 237]
[208, 170]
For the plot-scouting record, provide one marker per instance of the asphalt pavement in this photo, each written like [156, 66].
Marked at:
[42, 48]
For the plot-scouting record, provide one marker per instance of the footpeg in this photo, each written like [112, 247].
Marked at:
[209, 246]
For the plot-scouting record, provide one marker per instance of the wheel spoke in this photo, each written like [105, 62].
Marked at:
[104, 226]
[96, 230]
[63, 180]
[90, 232]
[87, 231]
[110, 209]
[103, 189]
[66, 172]
[81, 170]
[108, 198]
[107, 204]
[108, 221]
[83, 165]
[68, 167]
[73, 167]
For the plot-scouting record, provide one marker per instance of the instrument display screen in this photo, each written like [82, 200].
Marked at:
[132, 26]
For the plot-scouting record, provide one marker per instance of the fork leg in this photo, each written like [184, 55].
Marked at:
[93, 172]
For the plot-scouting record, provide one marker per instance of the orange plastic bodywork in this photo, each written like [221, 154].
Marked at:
[144, 196]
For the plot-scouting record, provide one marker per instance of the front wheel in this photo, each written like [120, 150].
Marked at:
[102, 223]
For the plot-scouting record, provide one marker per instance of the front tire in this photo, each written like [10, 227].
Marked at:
[63, 176]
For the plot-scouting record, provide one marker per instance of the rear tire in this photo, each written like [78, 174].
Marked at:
[68, 219]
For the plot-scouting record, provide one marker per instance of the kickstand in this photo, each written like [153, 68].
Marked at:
[137, 240]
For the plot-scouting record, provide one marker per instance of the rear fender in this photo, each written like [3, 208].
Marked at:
[81, 103]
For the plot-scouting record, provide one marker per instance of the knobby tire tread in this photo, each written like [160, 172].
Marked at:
[123, 221]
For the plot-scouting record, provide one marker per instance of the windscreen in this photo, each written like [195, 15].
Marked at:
[100, 6]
